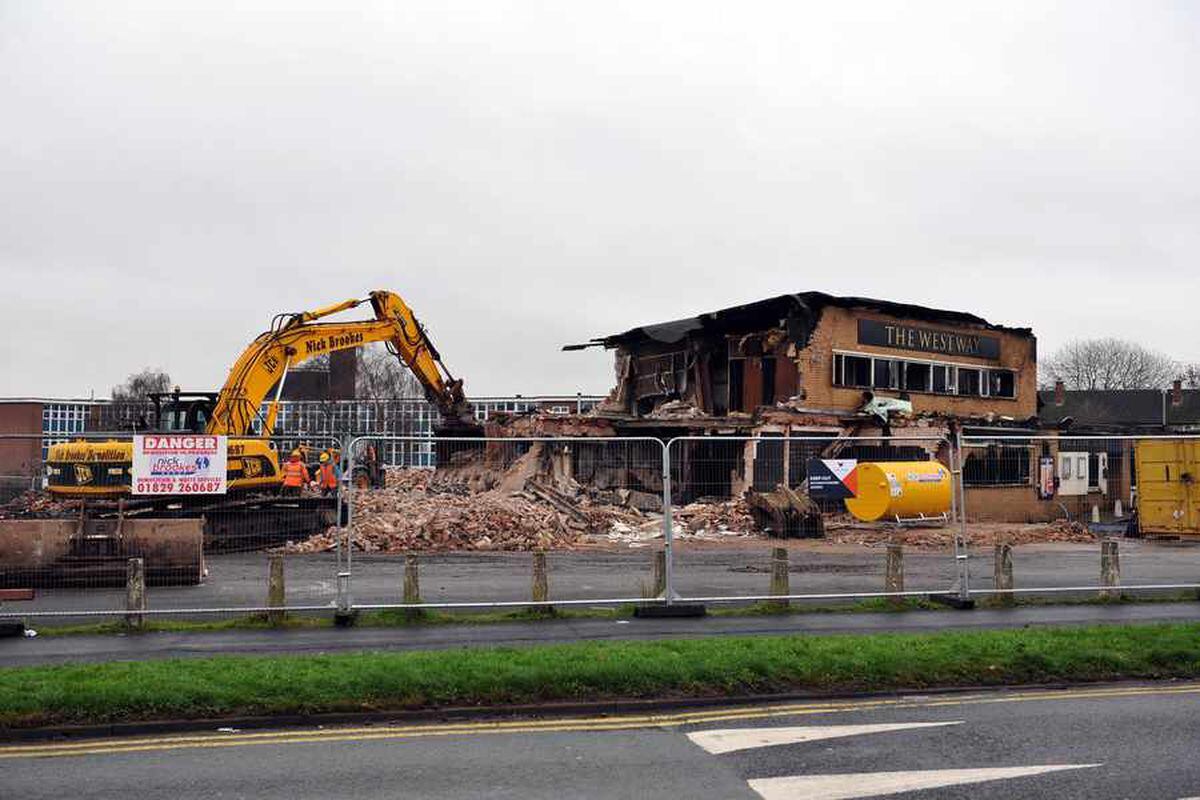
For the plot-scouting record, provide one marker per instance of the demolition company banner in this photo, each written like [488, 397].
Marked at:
[832, 478]
[179, 464]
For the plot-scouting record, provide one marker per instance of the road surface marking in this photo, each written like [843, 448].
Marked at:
[728, 740]
[101, 746]
[872, 784]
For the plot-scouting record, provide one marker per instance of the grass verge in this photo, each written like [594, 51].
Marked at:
[226, 686]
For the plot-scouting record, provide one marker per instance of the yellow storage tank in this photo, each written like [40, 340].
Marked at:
[900, 489]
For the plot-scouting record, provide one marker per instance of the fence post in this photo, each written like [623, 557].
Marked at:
[541, 585]
[659, 579]
[343, 616]
[412, 585]
[135, 593]
[779, 576]
[961, 554]
[893, 580]
[1110, 569]
[275, 590]
[1003, 579]
[668, 534]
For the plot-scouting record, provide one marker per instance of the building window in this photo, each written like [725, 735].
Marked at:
[916, 376]
[1002, 383]
[996, 465]
[884, 374]
[768, 381]
[968, 382]
[851, 371]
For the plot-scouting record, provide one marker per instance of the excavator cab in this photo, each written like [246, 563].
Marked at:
[182, 411]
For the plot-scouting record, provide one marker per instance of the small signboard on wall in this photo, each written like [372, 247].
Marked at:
[832, 478]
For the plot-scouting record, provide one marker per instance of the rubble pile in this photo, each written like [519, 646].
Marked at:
[711, 517]
[32, 503]
[980, 534]
[420, 510]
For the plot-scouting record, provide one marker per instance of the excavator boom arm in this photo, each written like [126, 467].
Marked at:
[299, 338]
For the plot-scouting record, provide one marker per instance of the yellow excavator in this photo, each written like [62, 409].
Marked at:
[101, 469]
[91, 543]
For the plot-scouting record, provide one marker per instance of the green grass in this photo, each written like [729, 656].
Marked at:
[215, 687]
[400, 618]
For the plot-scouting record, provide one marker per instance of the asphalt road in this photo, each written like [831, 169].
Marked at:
[1094, 743]
[239, 580]
[57, 649]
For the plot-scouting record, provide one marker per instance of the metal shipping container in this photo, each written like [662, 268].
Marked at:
[1168, 498]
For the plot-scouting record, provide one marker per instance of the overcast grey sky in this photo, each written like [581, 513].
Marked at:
[528, 175]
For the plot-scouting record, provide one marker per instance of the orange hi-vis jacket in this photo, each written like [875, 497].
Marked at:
[295, 474]
[329, 478]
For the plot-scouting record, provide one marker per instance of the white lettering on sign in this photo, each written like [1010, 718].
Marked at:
[179, 464]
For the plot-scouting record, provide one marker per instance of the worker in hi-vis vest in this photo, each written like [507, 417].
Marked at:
[295, 474]
[329, 475]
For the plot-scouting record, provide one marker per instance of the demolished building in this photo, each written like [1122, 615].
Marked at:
[812, 366]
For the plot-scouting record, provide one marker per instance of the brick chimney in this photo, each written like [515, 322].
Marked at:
[1177, 392]
[1060, 393]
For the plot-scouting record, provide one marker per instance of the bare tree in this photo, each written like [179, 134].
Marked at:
[140, 384]
[1190, 375]
[1108, 364]
[129, 406]
[382, 376]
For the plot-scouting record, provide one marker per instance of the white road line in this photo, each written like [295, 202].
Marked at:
[727, 740]
[871, 784]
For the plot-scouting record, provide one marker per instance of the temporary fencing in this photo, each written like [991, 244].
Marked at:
[1134, 497]
[424, 522]
[753, 523]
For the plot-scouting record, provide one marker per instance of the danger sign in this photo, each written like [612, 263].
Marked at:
[832, 478]
[176, 464]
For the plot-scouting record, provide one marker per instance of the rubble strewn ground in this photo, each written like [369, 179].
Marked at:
[32, 503]
[422, 510]
[520, 509]
[980, 534]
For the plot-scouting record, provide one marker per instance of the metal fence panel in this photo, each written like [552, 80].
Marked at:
[751, 523]
[200, 556]
[482, 524]
[1056, 499]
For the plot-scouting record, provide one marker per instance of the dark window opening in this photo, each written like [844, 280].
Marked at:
[737, 375]
[941, 380]
[1003, 383]
[885, 374]
[996, 466]
[852, 371]
[916, 377]
[768, 381]
[968, 381]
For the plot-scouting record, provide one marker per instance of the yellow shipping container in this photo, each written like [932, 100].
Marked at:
[1168, 499]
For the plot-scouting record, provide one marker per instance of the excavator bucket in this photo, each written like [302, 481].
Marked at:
[95, 552]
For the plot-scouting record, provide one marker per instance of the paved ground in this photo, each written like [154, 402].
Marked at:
[1095, 743]
[52, 649]
[240, 580]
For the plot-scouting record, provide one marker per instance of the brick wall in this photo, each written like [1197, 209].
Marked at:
[20, 456]
[838, 330]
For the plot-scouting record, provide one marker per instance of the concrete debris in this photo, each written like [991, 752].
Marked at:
[676, 409]
[786, 513]
[37, 504]
[706, 518]
[419, 510]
